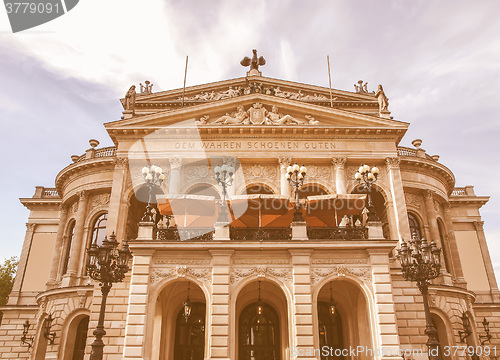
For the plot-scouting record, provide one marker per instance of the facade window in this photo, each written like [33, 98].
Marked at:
[67, 250]
[99, 229]
[330, 330]
[190, 334]
[258, 189]
[259, 333]
[205, 190]
[311, 190]
[414, 225]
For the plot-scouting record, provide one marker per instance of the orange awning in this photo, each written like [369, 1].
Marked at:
[258, 210]
[189, 210]
[329, 209]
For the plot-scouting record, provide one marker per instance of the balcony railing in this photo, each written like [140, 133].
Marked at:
[192, 234]
[260, 234]
[458, 191]
[337, 233]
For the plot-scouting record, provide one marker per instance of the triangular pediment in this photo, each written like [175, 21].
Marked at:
[362, 101]
[266, 112]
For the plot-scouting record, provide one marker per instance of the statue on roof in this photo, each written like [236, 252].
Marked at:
[383, 101]
[146, 89]
[130, 99]
[254, 63]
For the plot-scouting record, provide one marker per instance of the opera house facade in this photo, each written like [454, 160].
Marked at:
[256, 232]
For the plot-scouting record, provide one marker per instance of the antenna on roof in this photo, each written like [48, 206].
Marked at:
[329, 80]
[185, 75]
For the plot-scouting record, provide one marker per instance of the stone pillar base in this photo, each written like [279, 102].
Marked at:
[221, 232]
[375, 230]
[145, 231]
[299, 230]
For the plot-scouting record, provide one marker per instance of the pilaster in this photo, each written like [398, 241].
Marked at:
[137, 305]
[115, 209]
[340, 175]
[486, 257]
[284, 162]
[23, 262]
[78, 242]
[398, 197]
[385, 311]
[58, 247]
[175, 175]
[219, 342]
[455, 257]
[302, 322]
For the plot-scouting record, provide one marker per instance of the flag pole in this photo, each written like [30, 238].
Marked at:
[329, 80]
[185, 75]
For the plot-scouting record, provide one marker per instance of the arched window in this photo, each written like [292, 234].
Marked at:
[311, 190]
[330, 330]
[259, 333]
[204, 189]
[190, 334]
[258, 189]
[414, 225]
[99, 229]
[67, 250]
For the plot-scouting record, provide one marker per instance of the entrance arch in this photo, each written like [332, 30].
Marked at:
[173, 335]
[350, 325]
[261, 334]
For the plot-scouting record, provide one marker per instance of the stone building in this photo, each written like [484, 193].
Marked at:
[293, 272]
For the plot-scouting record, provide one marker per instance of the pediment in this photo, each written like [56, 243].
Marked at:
[263, 111]
[361, 101]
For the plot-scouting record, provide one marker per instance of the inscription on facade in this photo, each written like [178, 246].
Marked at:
[254, 145]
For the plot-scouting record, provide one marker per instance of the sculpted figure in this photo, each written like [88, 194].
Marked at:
[240, 117]
[383, 101]
[203, 120]
[275, 118]
[254, 62]
[148, 88]
[311, 120]
[130, 98]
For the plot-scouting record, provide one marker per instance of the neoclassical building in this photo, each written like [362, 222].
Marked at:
[260, 286]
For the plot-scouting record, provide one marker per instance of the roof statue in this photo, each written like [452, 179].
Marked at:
[254, 63]
[383, 101]
[130, 99]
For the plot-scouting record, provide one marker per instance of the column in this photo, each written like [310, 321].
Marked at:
[398, 197]
[23, 262]
[78, 242]
[340, 176]
[486, 256]
[301, 324]
[284, 162]
[175, 175]
[58, 247]
[455, 257]
[385, 311]
[116, 215]
[391, 219]
[137, 305]
[219, 342]
[432, 217]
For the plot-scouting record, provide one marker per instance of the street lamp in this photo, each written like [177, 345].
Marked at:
[295, 175]
[25, 339]
[153, 175]
[224, 177]
[47, 333]
[485, 338]
[421, 262]
[107, 265]
[366, 177]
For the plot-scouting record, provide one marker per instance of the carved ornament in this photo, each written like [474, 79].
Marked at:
[392, 163]
[479, 225]
[121, 162]
[181, 271]
[339, 261]
[196, 172]
[285, 160]
[339, 163]
[175, 162]
[319, 273]
[260, 271]
[30, 226]
[260, 171]
[413, 200]
[99, 200]
[261, 261]
[319, 172]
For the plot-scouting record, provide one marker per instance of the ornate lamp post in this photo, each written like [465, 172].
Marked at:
[224, 177]
[366, 177]
[107, 265]
[295, 175]
[421, 262]
[153, 175]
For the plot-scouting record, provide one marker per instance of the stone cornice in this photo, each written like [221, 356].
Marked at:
[432, 168]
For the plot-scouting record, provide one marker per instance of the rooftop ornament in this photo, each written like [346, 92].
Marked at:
[254, 63]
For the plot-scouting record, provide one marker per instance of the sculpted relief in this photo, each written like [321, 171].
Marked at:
[257, 115]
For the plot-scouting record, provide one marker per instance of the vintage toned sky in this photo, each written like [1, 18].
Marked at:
[439, 63]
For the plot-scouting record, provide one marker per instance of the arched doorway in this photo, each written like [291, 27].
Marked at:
[262, 323]
[75, 340]
[330, 329]
[259, 333]
[190, 334]
[174, 335]
[343, 318]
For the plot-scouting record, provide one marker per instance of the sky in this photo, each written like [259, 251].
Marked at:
[439, 63]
